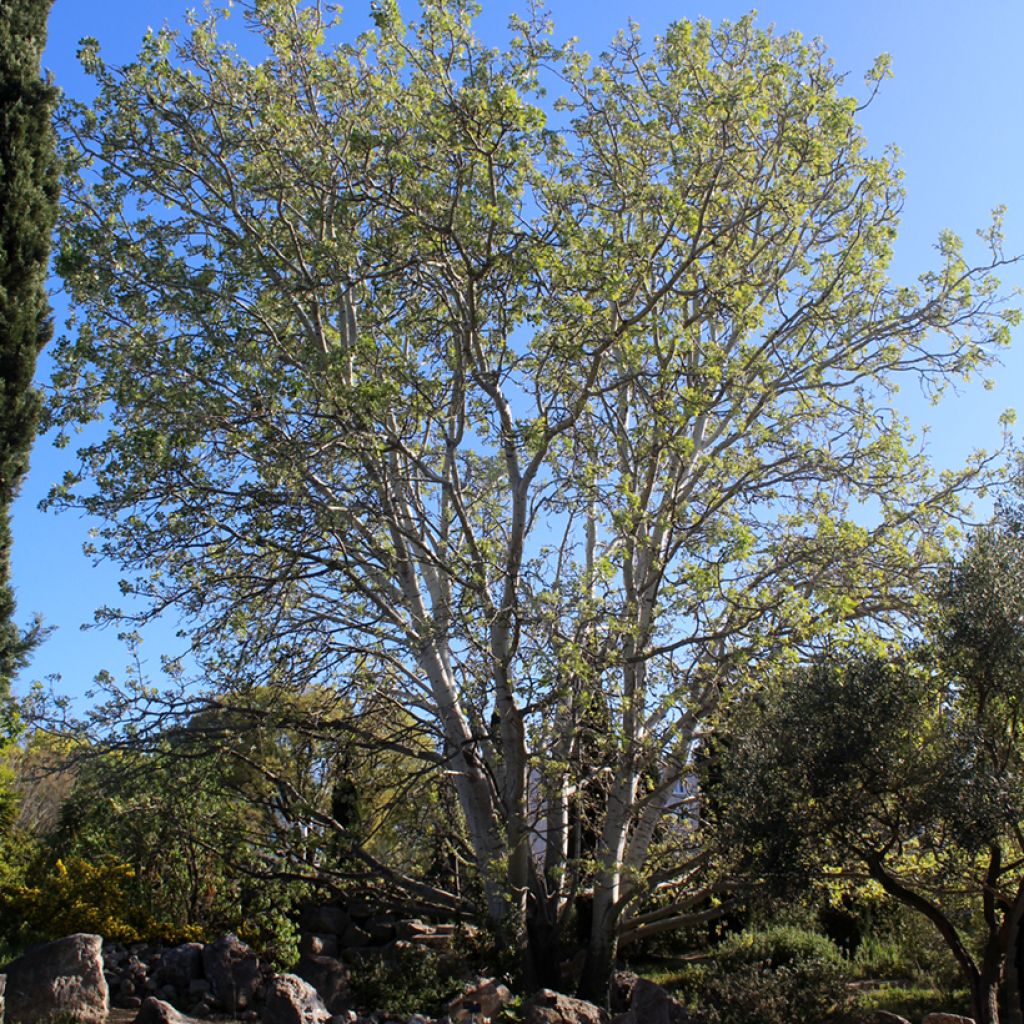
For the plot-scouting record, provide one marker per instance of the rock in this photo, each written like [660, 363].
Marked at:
[620, 990]
[329, 977]
[3, 986]
[325, 920]
[651, 1004]
[355, 936]
[61, 978]
[198, 987]
[312, 944]
[380, 928]
[485, 996]
[548, 1007]
[180, 966]
[946, 1018]
[156, 1011]
[291, 1000]
[233, 972]
[131, 1003]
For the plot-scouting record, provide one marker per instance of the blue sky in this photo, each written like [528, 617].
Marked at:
[955, 108]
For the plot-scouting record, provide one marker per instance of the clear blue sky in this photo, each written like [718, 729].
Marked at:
[955, 108]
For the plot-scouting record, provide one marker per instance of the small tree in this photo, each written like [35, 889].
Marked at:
[907, 767]
[524, 417]
[28, 198]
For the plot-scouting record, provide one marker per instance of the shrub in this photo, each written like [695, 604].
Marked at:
[80, 896]
[413, 981]
[777, 976]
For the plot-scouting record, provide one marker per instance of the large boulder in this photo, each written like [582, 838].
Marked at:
[549, 1007]
[58, 979]
[290, 1000]
[156, 1011]
[483, 997]
[3, 986]
[947, 1018]
[651, 1004]
[233, 972]
[329, 977]
[180, 966]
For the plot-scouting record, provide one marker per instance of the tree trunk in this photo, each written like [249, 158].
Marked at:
[597, 968]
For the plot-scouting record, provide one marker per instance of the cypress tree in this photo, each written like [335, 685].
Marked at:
[28, 207]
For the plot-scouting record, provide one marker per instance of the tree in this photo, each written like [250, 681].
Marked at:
[523, 416]
[28, 198]
[907, 767]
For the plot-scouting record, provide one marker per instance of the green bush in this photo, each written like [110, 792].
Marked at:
[410, 981]
[776, 976]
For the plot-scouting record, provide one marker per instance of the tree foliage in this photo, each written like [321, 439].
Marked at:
[907, 767]
[28, 198]
[520, 414]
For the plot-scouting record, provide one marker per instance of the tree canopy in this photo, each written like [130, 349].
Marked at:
[907, 766]
[28, 198]
[547, 417]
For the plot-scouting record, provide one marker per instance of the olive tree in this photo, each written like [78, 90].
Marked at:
[538, 394]
[905, 767]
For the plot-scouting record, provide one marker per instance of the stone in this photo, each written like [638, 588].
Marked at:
[549, 1007]
[3, 986]
[233, 972]
[327, 920]
[180, 966]
[947, 1018]
[485, 997]
[620, 990]
[651, 1004]
[312, 944]
[354, 937]
[156, 1011]
[380, 928]
[61, 978]
[291, 1000]
[329, 977]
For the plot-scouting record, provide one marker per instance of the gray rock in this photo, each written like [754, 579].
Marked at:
[329, 977]
[549, 1007]
[156, 1011]
[947, 1018]
[3, 987]
[233, 972]
[651, 1004]
[180, 966]
[291, 1000]
[61, 978]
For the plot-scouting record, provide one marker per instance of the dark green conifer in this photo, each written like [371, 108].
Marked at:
[28, 205]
